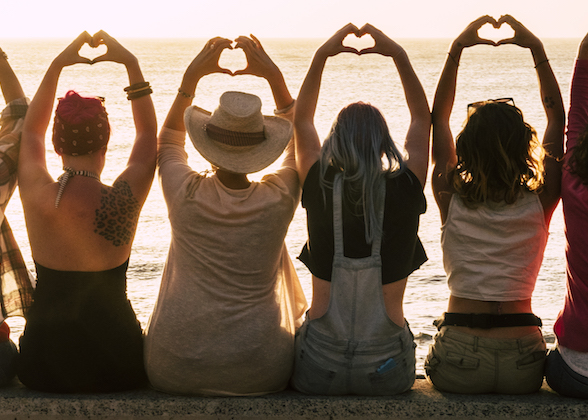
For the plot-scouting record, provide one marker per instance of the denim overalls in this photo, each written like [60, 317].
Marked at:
[354, 348]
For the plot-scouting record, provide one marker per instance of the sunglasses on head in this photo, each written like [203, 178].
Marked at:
[100, 98]
[475, 105]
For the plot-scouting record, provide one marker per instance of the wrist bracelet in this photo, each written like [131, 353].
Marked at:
[541, 62]
[130, 92]
[138, 90]
[139, 93]
[453, 59]
[3, 55]
[284, 110]
[136, 86]
[185, 94]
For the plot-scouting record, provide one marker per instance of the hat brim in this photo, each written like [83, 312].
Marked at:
[238, 159]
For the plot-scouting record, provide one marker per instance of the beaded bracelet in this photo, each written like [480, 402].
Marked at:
[130, 92]
[3, 55]
[139, 93]
[138, 90]
[133, 87]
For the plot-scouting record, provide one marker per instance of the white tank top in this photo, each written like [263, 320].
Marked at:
[494, 252]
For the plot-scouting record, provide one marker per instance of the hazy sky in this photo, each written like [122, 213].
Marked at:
[284, 19]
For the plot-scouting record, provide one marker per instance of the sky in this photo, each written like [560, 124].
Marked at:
[281, 19]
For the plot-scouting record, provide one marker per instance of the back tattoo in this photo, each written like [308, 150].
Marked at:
[116, 219]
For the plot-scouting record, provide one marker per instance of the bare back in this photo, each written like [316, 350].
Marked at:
[91, 230]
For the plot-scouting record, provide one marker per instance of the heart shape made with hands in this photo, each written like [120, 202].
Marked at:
[233, 60]
[496, 33]
[91, 53]
[359, 42]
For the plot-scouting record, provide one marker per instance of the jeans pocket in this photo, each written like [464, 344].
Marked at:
[461, 361]
[394, 381]
[532, 360]
[431, 362]
[310, 377]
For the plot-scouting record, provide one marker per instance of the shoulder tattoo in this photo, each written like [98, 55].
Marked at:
[116, 219]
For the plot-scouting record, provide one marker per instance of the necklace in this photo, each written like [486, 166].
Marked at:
[70, 173]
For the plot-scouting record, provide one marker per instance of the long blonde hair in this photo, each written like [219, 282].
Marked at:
[359, 144]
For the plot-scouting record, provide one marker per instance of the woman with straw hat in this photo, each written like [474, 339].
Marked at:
[230, 300]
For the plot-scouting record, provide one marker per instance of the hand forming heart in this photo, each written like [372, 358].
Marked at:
[114, 51]
[382, 44]
[522, 36]
[213, 58]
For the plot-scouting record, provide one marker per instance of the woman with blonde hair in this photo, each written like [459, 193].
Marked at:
[363, 201]
[496, 194]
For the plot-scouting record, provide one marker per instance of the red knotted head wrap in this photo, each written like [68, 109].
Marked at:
[81, 125]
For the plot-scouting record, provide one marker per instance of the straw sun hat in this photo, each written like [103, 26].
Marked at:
[237, 137]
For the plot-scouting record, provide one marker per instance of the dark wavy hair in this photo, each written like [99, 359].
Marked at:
[578, 162]
[360, 145]
[498, 156]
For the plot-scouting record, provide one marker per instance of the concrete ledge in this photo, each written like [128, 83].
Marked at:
[17, 402]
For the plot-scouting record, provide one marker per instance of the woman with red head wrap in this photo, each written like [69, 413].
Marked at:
[81, 125]
[82, 334]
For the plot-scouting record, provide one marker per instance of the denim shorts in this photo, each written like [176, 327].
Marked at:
[467, 364]
[330, 367]
[8, 354]
[562, 379]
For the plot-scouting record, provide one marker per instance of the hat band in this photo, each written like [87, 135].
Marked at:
[233, 138]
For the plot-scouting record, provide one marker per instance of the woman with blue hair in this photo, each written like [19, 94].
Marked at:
[363, 201]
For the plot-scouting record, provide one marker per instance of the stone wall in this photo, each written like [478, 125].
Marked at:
[19, 403]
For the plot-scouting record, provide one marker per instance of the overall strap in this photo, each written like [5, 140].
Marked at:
[338, 214]
[377, 242]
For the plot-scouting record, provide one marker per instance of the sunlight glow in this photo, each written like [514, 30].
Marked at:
[269, 18]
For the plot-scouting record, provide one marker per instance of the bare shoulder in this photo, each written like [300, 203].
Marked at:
[118, 213]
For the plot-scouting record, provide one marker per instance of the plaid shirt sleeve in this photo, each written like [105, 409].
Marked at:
[15, 279]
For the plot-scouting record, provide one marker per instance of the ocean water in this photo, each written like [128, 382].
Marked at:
[485, 72]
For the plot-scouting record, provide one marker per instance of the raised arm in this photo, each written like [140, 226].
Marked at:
[10, 122]
[260, 64]
[141, 165]
[417, 137]
[554, 110]
[308, 145]
[9, 83]
[444, 158]
[206, 62]
[32, 168]
[578, 115]
[172, 158]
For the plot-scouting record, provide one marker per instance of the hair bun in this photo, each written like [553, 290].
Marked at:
[75, 109]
